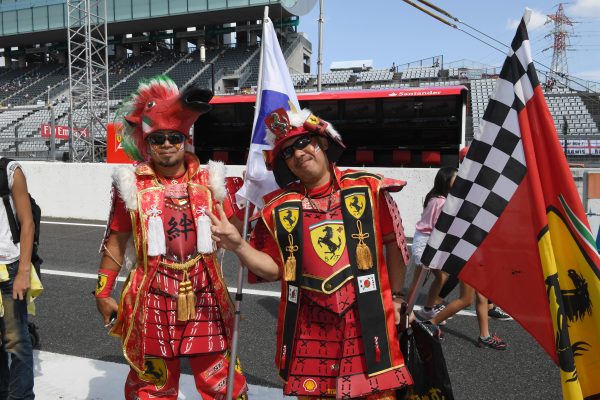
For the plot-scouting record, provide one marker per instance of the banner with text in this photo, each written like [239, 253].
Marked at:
[60, 131]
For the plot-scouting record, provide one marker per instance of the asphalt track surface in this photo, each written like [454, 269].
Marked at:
[69, 324]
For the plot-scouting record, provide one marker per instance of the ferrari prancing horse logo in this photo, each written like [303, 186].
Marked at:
[289, 218]
[328, 240]
[355, 204]
[156, 372]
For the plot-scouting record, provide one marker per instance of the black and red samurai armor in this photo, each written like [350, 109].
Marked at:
[336, 335]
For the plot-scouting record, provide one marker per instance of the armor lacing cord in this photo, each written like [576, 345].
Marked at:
[363, 253]
[290, 262]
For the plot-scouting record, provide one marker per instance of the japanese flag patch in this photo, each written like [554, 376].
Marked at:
[293, 294]
[367, 283]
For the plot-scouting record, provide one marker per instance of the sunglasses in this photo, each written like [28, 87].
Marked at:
[160, 139]
[299, 144]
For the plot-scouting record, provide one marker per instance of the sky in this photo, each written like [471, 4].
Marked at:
[392, 31]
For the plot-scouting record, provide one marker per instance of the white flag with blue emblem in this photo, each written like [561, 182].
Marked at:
[275, 90]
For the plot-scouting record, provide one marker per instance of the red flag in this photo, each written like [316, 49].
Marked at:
[514, 228]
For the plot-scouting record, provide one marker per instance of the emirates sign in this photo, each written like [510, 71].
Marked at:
[61, 131]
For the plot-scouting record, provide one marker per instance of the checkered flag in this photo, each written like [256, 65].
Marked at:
[513, 227]
[492, 169]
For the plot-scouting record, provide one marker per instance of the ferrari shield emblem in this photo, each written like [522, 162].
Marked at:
[101, 283]
[156, 372]
[328, 240]
[288, 217]
[355, 204]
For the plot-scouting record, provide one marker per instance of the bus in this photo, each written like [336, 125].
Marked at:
[410, 127]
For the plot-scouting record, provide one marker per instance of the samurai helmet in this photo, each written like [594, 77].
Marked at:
[283, 125]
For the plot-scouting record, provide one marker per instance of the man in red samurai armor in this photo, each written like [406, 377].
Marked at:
[323, 234]
[174, 303]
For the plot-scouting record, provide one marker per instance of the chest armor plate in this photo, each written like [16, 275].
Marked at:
[178, 223]
[326, 273]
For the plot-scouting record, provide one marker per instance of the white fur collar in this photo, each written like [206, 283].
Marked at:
[124, 181]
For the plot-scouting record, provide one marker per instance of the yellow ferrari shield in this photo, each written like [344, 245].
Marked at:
[289, 218]
[328, 240]
[355, 203]
[101, 284]
[156, 372]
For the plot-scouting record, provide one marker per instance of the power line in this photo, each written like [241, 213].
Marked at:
[549, 70]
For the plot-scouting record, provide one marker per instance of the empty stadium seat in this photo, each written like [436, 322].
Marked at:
[365, 157]
[401, 157]
[431, 158]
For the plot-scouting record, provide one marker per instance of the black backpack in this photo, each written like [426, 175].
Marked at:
[12, 220]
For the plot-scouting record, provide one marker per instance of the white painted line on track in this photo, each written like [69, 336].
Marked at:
[72, 223]
[268, 293]
[59, 376]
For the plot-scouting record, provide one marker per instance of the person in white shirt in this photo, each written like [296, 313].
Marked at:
[16, 380]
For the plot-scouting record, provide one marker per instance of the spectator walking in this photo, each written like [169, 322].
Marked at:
[16, 373]
[432, 207]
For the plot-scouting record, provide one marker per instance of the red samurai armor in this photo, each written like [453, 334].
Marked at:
[174, 302]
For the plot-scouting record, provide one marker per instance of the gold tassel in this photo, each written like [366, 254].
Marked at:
[182, 298]
[364, 258]
[290, 262]
[191, 303]
[182, 311]
[290, 268]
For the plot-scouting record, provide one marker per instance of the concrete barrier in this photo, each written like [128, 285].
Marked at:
[82, 190]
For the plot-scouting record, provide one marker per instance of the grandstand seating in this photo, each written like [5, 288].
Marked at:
[565, 105]
[189, 66]
[300, 80]
[420, 73]
[239, 66]
[453, 72]
[252, 79]
[159, 63]
[376, 75]
[228, 63]
[335, 77]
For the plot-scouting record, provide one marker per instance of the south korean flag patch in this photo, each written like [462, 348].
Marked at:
[367, 283]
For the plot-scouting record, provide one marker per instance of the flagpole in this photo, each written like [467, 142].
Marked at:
[238, 306]
[240, 281]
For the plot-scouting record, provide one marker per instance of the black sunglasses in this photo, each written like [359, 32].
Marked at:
[298, 144]
[160, 139]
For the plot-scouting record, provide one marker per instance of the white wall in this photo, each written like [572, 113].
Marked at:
[82, 191]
